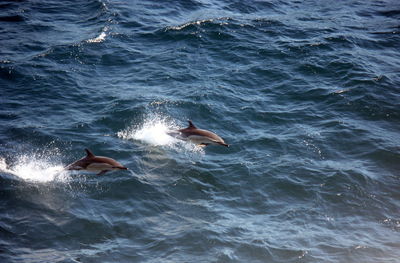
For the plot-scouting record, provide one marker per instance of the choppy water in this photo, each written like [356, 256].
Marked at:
[306, 93]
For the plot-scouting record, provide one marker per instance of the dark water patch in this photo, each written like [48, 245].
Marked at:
[389, 13]
[393, 32]
[98, 12]
[371, 106]
[29, 134]
[11, 72]
[6, 5]
[129, 24]
[174, 36]
[12, 18]
[41, 19]
[246, 8]
[386, 158]
[350, 197]
[339, 41]
[276, 53]
[85, 9]
[182, 6]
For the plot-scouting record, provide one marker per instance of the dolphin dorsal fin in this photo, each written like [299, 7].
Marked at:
[191, 125]
[89, 154]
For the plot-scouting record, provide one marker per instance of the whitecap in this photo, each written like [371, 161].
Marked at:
[99, 38]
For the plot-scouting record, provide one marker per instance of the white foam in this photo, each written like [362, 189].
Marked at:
[3, 165]
[154, 131]
[29, 168]
[99, 38]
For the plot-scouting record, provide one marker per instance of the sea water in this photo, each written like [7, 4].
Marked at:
[305, 92]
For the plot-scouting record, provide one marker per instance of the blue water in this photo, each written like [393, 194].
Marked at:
[305, 92]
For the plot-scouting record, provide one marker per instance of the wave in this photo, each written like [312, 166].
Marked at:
[198, 22]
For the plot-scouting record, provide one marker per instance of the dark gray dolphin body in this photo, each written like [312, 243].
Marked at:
[197, 136]
[94, 163]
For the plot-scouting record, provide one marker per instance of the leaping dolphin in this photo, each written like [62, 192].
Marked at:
[94, 163]
[197, 136]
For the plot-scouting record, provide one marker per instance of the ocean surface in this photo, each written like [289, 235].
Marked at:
[307, 93]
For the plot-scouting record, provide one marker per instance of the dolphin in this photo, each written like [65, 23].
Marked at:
[197, 136]
[95, 163]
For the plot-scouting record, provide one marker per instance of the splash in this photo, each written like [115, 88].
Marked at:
[154, 131]
[99, 38]
[31, 168]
